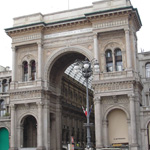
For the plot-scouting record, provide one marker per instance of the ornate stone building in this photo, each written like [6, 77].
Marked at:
[45, 104]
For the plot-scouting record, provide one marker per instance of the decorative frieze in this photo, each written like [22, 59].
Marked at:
[26, 38]
[26, 95]
[112, 86]
[109, 24]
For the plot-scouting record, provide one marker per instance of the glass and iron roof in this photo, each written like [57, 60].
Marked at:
[78, 76]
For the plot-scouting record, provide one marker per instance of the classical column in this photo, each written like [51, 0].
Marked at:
[13, 63]
[40, 127]
[98, 123]
[46, 120]
[105, 133]
[13, 131]
[58, 124]
[40, 60]
[133, 121]
[96, 54]
[128, 49]
[134, 50]
[114, 65]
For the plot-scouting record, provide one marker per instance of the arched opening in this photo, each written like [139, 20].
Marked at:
[71, 88]
[25, 70]
[148, 133]
[2, 108]
[117, 128]
[109, 60]
[29, 132]
[147, 68]
[33, 70]
[5, 85]
[4, 139]
[118, 59]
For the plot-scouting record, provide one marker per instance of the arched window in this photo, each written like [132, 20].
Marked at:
[147, 67]
[2, 108]
[109, 61]
[5, 85]
[118, 59]
[25, 71]
[33, 70]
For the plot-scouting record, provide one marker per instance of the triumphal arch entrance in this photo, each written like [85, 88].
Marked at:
[46, 100]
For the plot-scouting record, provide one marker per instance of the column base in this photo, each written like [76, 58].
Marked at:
[134, 147]
[89, 148]
[41, 148]
[13, 148]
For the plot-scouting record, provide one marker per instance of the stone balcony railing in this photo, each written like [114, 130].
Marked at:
[117, 75]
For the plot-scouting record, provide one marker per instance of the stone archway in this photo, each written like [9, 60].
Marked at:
[4, 139]
[56, 57]
[29, 131]
[60, 121]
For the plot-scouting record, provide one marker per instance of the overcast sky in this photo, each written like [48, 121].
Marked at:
[10, 9]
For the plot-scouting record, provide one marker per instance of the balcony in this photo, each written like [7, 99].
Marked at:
[117, 75]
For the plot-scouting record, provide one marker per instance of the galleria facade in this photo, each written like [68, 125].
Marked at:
[41, 99]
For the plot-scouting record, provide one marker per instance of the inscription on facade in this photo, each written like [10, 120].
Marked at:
[68, 33]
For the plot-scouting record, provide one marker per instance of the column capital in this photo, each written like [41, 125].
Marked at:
[40, 104]
[95, 34]
[127, 29]
[39, 43]
[13, 48]
[97, 99]
[13, 106]
[131, 96]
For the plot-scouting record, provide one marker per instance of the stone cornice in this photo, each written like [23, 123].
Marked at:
[87, 19]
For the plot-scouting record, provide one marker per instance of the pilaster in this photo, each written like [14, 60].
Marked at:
[133, 145]
[96, 53]
[40, 127]
[98, 123]
[128, 49]
[13, 129]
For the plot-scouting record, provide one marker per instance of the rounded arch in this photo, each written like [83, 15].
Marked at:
[62, 51]
[3, 126]
[4, 138]
[113, 45]
[23, 116]
[113, 108]
[28, 58]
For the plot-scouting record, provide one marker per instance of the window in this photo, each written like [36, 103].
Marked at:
[2, 108]
[118, 59]
[147, 67]
[5, 85]
[33, 70]
[25, 71]
[109, 61]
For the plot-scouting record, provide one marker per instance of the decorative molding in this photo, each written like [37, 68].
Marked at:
[111, 24]
[22, 95]
[26, 38]
[111, 86]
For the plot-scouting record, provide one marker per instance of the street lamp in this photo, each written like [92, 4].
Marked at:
[87, 69]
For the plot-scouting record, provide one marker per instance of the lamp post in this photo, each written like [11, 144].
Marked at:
[86, 68]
